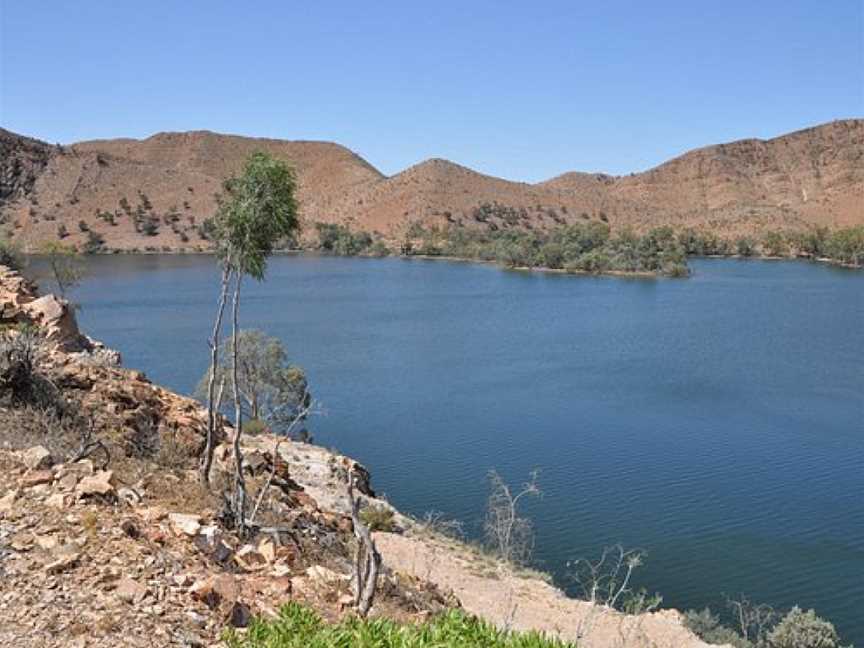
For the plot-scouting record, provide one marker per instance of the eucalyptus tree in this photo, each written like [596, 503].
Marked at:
[256, 211]
[275, 392]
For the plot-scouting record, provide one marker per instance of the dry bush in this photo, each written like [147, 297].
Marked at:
[23, 377]
[26, 426]
[607, 580]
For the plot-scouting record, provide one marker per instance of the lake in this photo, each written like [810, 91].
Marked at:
[716, 422]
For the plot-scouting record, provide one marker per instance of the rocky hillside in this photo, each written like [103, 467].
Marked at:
[154, 193]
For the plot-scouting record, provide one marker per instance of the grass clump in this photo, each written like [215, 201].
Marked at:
[299, 627]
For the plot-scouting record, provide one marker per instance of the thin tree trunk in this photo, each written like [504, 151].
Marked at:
[212, 407]
[239, 480]
[367, 560]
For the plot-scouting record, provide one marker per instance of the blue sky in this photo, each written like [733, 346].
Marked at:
[523, 90]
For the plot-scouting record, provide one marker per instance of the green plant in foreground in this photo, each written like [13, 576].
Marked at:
[299, 627]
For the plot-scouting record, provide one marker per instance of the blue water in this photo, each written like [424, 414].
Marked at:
[716, 422]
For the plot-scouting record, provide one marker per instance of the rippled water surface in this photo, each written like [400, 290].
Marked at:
[716, 422]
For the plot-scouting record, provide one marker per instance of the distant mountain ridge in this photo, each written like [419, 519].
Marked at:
[154, 193]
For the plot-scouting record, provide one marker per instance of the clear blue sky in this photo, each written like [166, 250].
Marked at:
[524, 90]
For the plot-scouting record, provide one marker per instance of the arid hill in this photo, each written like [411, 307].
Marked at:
[154, 193]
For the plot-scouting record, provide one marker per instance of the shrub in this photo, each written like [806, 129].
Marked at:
[799, 629]
[255, 426]
[377, 518]
[94, 244]
[774, 243]
[745, 246]
[706, 625]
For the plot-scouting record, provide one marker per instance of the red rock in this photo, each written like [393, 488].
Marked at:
[37, 477]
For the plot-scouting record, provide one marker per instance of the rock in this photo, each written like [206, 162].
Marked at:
[36, 478]
[83, 467]
[130, 591]
[250, 559]
[130, 528]
[37, 458]
[210, 541]
[320, 574]
[68, 482]
[239, 615]
[7, 502]
[47, 542]
[255, 462]
[185, 524]
[198, 620]
[280, 571]
[216, 591]
[183, 580]
[98, 484]
[57, 500]
[68, 559]
[152, 514]
[267, 549]
[129, 496]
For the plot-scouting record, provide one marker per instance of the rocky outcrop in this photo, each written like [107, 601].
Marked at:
[20, 304]
[90, 373]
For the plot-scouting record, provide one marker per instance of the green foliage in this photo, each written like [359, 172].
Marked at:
[341, 240]
[377, 518]
[799, 629]
[745, 246]
[696, 243]
[846, 245]
[580, 247]
[299, 627]
[775, 244]
[256, 212]
[273, 391]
